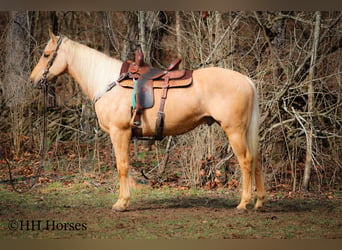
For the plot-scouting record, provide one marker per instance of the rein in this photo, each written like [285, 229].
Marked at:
[43, 84]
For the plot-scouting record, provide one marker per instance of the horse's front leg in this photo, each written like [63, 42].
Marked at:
[121, 140]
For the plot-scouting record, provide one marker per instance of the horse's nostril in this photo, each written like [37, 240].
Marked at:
[31, 80]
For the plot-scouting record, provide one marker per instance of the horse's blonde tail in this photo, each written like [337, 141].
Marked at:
[253, 129]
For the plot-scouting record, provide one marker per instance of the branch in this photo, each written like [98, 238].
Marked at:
[221, 39]
[273, 51]
[305, 63]
[281, 123]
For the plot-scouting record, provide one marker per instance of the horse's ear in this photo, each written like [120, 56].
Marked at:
[52, 36]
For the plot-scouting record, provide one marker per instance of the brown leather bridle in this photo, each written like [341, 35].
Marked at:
[43, 81]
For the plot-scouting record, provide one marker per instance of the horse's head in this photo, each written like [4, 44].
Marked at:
[52, 62]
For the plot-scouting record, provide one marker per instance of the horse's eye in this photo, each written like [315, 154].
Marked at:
[46, 55]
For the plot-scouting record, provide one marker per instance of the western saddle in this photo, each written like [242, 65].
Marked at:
[143, 79]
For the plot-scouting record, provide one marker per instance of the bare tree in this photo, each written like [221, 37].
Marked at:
[15, 82]
[309, 133]
[129, 21]
[178, 34]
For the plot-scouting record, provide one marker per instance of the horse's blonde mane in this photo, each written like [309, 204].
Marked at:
[92, 69]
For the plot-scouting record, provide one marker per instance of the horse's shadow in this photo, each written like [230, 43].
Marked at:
[271, 206]
[182, 203]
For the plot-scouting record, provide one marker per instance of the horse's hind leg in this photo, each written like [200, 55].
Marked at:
[121, 139]
[238, 142]
[260, 186]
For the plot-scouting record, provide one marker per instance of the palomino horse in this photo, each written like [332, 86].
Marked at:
[216, 94]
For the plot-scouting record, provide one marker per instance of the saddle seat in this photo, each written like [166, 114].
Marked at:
[143, 78]
[139, 70]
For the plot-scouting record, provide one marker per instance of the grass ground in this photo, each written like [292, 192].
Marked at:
[83, 210]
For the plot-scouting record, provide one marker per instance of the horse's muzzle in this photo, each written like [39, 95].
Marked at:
[35, 84]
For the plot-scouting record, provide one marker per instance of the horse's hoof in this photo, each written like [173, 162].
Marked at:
[257, 207]
[241, 209]
[259, 204]
[118, 208]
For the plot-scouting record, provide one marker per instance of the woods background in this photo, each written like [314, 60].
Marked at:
[293, 57]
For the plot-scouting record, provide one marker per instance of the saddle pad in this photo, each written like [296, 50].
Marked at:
[159, 83]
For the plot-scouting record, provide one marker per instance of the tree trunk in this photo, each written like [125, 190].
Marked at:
[308, 159]
[142, 35]
[178, 35]
[149, 26]
[218, 32]
[54, 22]
[130, 20]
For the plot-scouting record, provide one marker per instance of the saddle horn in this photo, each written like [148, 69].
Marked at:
[139, 57]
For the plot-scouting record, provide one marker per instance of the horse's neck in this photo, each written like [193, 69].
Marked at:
[93, 70]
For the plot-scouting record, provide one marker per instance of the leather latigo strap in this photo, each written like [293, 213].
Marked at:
[161, 115]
